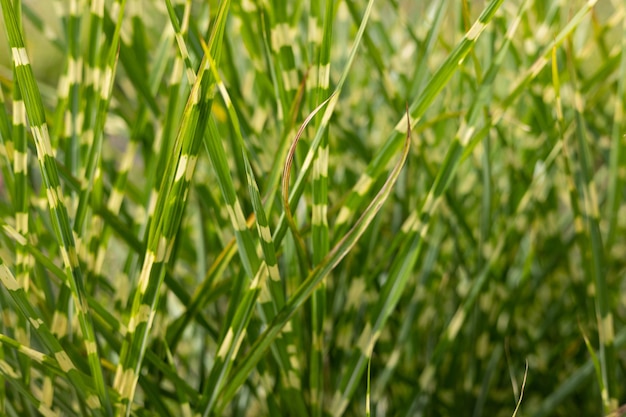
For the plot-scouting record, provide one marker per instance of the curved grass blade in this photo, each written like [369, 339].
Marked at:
[287, 176]
[330, 261]
[298, 186]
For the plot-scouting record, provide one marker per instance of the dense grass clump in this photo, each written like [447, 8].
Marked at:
[312, 208]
